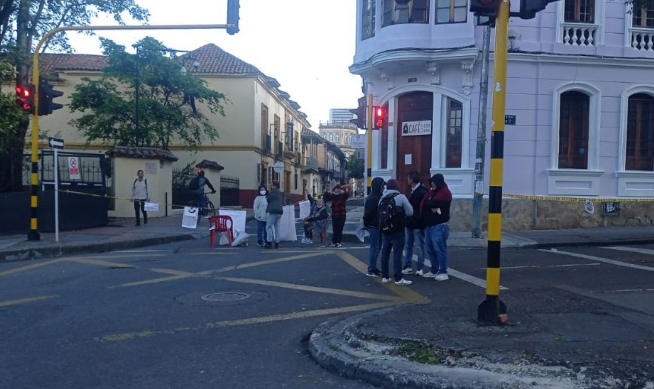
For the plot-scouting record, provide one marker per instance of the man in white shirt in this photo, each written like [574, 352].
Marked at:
[140, 195]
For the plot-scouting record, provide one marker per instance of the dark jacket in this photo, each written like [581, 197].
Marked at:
[338, 203]
[318, 214]
[371, 209]
[441, 199]
[415, 198]
[275, 202]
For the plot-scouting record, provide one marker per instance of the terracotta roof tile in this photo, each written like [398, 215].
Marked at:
[206, 164]
[141, 152]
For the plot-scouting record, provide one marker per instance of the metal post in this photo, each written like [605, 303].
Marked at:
[492, 310]
[481, 136]
[137, 91]
[369, 149]
[56, 194]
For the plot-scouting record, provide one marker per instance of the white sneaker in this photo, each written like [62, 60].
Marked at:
[429, 275]
[386, 280]
[408, 270]
[403, 282]
[420, 272]
[442, 277]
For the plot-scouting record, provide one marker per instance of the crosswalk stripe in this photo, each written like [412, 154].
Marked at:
[599, 259]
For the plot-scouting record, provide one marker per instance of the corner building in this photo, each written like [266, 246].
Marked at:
[578, 85]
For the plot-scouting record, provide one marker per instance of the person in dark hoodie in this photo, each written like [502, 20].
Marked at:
[435, 207]
[415, 227]
[393, 234]
[371, 223]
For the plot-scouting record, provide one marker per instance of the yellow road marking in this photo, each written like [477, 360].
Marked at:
[147, 282]
[133, 255]
[261, 263]
[254, 320]
[29, 267]
[286, 285]
[407, 294]
[180, 273]
[26, 300]
[216, 253]
[98, 262]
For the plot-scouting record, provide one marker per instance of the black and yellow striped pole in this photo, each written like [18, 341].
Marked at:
[369, 146]
[493, 310]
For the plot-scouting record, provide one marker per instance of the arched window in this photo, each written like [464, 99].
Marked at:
[454, 146]
[640, 133]
[573, 130]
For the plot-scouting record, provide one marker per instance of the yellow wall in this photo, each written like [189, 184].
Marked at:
[159, 175]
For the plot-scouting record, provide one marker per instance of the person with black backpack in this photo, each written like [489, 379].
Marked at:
[371, 223]
[394, 208]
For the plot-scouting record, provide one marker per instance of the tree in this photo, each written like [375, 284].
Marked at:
[22, 24]
[168, 100]
[355, 166]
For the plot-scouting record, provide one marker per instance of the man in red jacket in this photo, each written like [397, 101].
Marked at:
[435, 207]
[338, 198]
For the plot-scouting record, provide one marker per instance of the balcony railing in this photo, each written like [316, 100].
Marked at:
[268, 144]
[579, 34]
[280, 149]
[642, 38]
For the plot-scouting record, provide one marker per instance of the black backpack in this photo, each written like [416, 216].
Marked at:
[195, 183]
[390, 219]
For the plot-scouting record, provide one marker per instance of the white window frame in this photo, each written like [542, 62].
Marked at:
[576, 182]
[600, 11]
[631, 183]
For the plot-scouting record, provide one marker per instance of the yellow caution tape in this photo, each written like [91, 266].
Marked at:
[579, 199]
[109, 197]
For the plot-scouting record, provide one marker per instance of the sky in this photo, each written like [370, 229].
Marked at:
[306, 45]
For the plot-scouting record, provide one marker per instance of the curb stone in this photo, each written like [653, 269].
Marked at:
[55, 251]
[333, 347]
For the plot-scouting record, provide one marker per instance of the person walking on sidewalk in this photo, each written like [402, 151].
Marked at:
[436, 215]
[394, 208]
[338, 198]
[415, 227]
[260, 205]
[371, 223]
[140, 194]
[275, 211]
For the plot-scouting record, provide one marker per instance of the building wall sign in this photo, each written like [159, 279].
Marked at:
[422, 127]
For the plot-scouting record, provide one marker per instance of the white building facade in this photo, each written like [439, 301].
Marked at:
[577, 85]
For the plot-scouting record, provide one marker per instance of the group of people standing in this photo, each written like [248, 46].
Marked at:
[268, 211]
[399, 223]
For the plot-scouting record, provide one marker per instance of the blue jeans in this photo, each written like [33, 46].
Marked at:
[418, 236]
[272, 223]
[436, 244]
[375, 247]
[395, 241]
[261, 231]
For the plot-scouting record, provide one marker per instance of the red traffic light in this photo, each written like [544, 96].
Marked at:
[380, 116]
[25, 97]
[22, 91]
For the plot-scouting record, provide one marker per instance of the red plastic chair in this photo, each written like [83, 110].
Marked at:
[221, 223]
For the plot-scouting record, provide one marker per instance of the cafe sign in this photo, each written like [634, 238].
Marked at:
[416, 128]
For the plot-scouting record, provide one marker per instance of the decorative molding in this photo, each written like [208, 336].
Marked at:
[434, 70]
[467, 67]
[395, 56]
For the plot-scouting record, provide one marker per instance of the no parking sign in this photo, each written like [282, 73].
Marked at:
[73, 168]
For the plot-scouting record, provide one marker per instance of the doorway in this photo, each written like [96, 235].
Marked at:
[414, 131]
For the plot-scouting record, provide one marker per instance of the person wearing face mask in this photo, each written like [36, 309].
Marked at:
[316, 223]
[338, 198]
[260, 205]
[435, 207]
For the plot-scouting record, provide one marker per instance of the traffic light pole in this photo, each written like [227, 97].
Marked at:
[369, 148]
[493, 310]
[33, 234]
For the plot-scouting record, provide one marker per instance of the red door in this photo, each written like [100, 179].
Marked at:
[415, 111]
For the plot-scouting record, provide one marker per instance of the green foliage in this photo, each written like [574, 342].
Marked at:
[11, 117]
[355, 166]
[169, 101]
[418, 352]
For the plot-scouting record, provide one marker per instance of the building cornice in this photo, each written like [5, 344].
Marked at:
[578, 59]
[414, 54]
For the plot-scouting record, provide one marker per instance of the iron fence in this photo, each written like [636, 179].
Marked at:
[229, 191]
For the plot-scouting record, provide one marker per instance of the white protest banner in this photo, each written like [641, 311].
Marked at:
[305, 208]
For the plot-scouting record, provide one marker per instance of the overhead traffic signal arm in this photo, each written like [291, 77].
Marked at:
[233, 16]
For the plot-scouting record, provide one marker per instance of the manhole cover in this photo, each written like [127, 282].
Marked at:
[218, 298]
[225, 296]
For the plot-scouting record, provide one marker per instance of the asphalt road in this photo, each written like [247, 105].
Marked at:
[185, 315]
